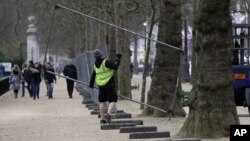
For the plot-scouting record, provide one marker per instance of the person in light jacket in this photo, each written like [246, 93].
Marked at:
[15, 79]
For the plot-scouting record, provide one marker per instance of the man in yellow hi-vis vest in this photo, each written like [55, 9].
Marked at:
[103, 77]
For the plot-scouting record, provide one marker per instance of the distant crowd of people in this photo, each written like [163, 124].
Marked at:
[32, 75]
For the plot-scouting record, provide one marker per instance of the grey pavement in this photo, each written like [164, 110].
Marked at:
[59, 119]
[64, 119]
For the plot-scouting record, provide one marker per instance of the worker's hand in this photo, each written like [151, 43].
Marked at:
[119, 56]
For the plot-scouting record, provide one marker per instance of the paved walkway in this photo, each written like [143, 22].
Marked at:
[59, 119]
[64, 119]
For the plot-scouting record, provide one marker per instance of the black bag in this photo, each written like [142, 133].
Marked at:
[27, 75]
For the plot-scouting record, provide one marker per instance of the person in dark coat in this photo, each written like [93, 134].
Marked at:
[24, 72]
[103, 76]
[35, 79]
[131, 70]
[49, 79]
[27, 74]
[71, 72]
[236, 53]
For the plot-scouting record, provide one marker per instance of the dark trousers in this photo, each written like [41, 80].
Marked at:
[16, 92]
[50, 90]
[70, 87]
[23, 89]
[29, 88]
[35, 88]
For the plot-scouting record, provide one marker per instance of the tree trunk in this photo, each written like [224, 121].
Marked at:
[135, 55]
[167, 61]
[212, 108]
[111, 39]
[194, 31]
[99, 32]
[122, 46]
[88, 37]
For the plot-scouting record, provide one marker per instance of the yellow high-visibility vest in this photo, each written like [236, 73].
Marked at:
[103, 74]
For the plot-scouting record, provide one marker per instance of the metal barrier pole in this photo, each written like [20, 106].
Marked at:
[156, 108]
[50, 29]
[124, 29]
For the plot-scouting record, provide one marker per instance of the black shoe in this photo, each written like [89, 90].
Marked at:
[107, 117]
[103, 121]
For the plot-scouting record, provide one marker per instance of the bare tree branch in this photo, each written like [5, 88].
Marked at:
[18, 18]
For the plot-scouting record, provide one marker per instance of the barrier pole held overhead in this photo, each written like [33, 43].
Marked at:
[50, 29]
[156, 108]
[113, 25]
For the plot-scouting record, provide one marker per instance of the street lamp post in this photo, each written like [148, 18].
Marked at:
[145, 40]
[186, 77]
[144, 31]
[145, 46]
[144, 69]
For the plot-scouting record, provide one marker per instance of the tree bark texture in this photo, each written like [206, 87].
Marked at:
[167, 61]
[135, 69]
[111, 43]
[122, 46]
[212, 108]
[194, 31]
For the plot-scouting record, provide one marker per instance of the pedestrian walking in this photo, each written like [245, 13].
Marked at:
[71, 72]
[39, 66]
[103, 76]
[28, 74]
[131, 70]
[15, 79]
[24, 72]
[49, 79]
[35, 79]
